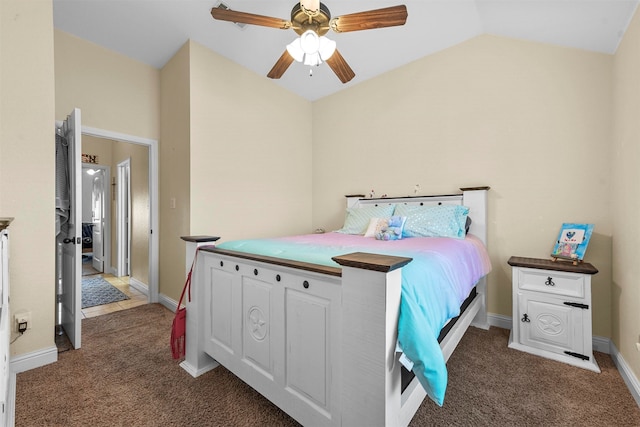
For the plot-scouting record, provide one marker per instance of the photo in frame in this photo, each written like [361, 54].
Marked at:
[572, 241]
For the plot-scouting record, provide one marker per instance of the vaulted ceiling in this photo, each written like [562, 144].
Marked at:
[153, 31]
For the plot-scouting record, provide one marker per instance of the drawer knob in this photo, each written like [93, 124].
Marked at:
[305, 284]
[525, 318]
[549, 282]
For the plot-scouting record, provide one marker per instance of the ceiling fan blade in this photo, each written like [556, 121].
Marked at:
[379, 18]
[340, 67]
[281, 66]
[223, 14]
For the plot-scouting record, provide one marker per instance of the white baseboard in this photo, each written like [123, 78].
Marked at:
[170, 303]
[627, 374]
[601, 344]
[138, 285]
[35, 359]
[499, 320]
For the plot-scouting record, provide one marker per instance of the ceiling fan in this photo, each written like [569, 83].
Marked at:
[311, 20]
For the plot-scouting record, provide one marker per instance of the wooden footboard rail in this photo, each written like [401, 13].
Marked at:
[319, 342]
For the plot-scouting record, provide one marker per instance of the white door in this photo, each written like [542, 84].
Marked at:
[97, 217]
[71, 265]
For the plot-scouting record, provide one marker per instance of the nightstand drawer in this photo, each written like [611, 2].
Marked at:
[551, 282]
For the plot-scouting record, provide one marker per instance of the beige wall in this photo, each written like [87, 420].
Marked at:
[250, 152]
[140, 208]
[626, 196]
[100, 147]
[114, 92]
[174, 171]
[530, 120]
[27, 146]
[235, 154]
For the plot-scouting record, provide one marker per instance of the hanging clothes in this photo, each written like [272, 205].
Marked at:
[63, 189]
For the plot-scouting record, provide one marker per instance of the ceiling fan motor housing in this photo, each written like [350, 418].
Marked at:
[302, 22]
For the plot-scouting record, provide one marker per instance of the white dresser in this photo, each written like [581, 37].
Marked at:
[5, 325]
[552, 310]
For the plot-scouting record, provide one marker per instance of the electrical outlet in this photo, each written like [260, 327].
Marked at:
[22, 318]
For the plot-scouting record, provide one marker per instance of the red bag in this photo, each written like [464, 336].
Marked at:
[179, 326]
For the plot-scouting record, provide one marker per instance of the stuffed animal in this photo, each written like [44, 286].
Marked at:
[393, 230]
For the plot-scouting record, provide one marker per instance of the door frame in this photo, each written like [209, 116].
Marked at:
[123, 218]
[154, 234]
[106, 197]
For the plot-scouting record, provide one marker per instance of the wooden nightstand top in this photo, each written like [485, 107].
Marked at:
[547, 264]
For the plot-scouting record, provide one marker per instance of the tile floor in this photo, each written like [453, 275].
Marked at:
[136, 297]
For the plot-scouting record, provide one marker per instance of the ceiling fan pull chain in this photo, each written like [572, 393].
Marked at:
[310, 72]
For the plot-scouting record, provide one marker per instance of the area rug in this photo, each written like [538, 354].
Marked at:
[97, 291]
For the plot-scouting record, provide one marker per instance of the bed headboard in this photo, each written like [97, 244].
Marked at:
[475, 198]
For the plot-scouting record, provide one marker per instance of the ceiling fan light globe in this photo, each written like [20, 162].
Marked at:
[312, 59]
[310, 42]
[327, 47]
[295, 50]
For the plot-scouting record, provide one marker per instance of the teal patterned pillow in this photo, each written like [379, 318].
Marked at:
[357, 219]
[434, 221]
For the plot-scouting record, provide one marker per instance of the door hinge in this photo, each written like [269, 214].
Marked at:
[577, 304]
[578, 355]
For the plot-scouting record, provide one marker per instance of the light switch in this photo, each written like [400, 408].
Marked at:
[172, 203]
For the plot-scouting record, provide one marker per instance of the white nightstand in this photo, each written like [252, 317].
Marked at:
[552, 310]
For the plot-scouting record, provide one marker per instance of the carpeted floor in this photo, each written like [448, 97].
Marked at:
[97, 291]
[124, 376]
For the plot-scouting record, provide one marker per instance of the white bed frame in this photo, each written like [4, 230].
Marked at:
[319, 342]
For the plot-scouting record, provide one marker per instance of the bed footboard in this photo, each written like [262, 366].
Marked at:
[321, 346]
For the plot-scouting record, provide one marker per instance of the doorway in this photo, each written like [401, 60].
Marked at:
[96, 219]
[150, 284]
[151, 287]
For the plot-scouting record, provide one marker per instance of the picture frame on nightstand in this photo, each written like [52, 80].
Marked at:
[572, 242]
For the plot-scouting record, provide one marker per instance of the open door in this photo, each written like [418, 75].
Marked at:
[71, 234]
[97, 217]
